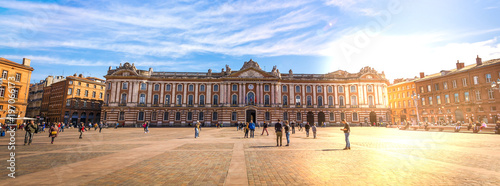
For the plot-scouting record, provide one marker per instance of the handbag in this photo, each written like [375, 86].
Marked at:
[53, 132]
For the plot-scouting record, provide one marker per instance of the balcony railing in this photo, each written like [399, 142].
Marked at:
[354, 106]
[120, 104]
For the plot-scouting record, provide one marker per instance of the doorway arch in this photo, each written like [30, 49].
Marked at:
[310, 117]
[321, 119]
[373, 117]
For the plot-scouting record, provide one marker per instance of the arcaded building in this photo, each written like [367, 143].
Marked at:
[180, 98]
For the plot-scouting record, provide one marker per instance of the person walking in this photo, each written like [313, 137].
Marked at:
[347, 130]
[43, 129]
[62, 127]
[197, 129]
[82, 129]
[252, 129]
[116, 126]
[264, 128]
[307, 127]
[30, 130]
[293, 127]
[246, 130]
[287, 133]
[300, 126]
[145, 126]
[100, 126]
[53, 131]
[278, 128]
[313, 127]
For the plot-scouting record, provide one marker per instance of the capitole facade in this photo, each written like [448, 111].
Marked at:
[180, 98]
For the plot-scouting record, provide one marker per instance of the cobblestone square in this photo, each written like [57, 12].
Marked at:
[172, 156]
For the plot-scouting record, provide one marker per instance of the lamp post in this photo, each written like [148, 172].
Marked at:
[416, 97]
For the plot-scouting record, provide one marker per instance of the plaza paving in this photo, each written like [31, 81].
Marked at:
[172, 156]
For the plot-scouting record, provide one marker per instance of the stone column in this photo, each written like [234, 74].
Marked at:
[291, 89]
[272, 94]
[185, 86]
[208, 97]
[314, 89]
[335, 93]
[196, 94]
[173, 97]
[347, 89]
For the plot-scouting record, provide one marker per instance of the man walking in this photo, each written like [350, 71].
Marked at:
[30, 129]
[347, 130]
[252, 129]
[307, 127]
[265, 129]
[100, 127]
[313, 127]
[278, 128]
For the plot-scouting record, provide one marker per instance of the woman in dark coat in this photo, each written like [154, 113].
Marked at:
[53, 131]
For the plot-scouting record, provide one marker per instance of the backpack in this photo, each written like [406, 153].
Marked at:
[144, 125]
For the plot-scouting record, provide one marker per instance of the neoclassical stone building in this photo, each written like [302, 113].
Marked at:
[179, 98]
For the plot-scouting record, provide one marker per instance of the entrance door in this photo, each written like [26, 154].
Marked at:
[373, 117]
[251, 116]
[459, 115]
[321, 119]
[403, 117]
[310, 117]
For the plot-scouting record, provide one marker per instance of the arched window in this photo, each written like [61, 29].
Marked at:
[167, 99]
[330, 89]
[216, 88]
[341, 100]
[156, 99]
[168, 87]
[353, 88]
[216, 100]
[370, 100]
[285, 100]
[191, 88]
[157, 87]
[309, 101]
[201, 116]
[190, 100]
[142, 99]
[297, 100]
[369, 88]
[251, 98]
[354, 100]
[124, 98]
[320, 101]
[234, 99]
[266, 100]
[330, 100]
[143, 86]
[202, 100]
[178, 101]
[202, 88]
[177, 116]
[215, 116]
[179, 87]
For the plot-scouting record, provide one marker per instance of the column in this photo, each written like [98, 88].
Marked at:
[150, 92]
[335, 91]
[117, 92]
[222, 89]
[135, 92]
[240, 94]
[347, 89]
[272, 94]
[278, 93]
[376, 89]
[244, 94]
[196, 94]
[228, 96]
[162, 90]
[325, 99]
[360, 94]
[365, 95]
[315, 99]
[208, 97]
[173, 97]
[185, 86]
[291, 89]
[303, 99]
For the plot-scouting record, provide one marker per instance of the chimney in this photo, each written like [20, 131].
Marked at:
[459, 65]
[479, 61]
[26, 62]
[422, 75]
[80, 75]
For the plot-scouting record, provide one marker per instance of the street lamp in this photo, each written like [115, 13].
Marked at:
[416, 97]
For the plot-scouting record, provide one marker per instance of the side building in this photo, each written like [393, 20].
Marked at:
[35, 97]
[461, 94]
[73, 99]
[402, 100]
[181, 98]
[14, 88]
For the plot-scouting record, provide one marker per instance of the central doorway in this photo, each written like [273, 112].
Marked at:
[310, 117]
[251, 116]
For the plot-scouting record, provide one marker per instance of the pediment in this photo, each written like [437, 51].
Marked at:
[124, 72]
[251, 73]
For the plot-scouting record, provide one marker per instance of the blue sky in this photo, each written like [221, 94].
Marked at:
[399, 37]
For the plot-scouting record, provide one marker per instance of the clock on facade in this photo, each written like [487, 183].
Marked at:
[250, 86]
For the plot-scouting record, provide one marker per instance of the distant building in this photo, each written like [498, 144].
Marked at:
[180, 98]
[73, 99]
[461, 94]
[35, 96]
[14, 88]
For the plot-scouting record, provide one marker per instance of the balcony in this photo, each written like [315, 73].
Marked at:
[234, 105]
[298, 106]
[120, 104]
[354, 106]
[166, 105]
[155, 105]
[141, 105]
[373, 106]
[286, 106]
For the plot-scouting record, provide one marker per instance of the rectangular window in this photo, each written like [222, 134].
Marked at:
[143, 86]
[454, 83]
[421, 89]
[233, 116]
[447, 98]
[18, 77]
[430, 100]
[488, 78]
[77, 92]
[191, 88]
[423, 101]
[438, 100]
[308, 89]
[490, 94]
[355, 116]
[299, 116]
[68, 102]
[457, 99]
[478, 95]
[5, 74]
[268, 116]
[70, 91]
[141, 116]
[330, 89]
[124, 85]
[122, 116]
[319, 89]
[153, 116]
[476, 80]
[179, 88]
[285, 88]
[466, 94]
[2, 91]
[445, 85]
[428, 88]
[215, 116]
[168, 88]
[93, 94]
[190, 116]
[353, 88]
[436, 86]
[464, 82]
[297, 89]
[235, 87]
[266, 88]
